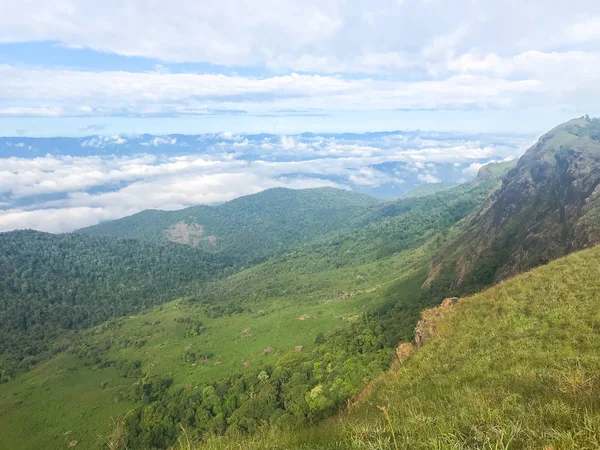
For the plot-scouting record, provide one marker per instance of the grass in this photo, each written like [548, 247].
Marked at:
[59, 402]
[64, 400]
[513, 367]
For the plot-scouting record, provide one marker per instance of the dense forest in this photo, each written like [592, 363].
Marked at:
[52, 284]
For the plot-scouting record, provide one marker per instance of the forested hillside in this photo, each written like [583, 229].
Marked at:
[249, 228]
[52, 284]
[388, 229]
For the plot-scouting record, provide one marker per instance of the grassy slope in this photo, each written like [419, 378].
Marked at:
[515, 367]
[58, 402]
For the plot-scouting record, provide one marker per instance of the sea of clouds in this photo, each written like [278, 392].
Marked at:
[61, 184]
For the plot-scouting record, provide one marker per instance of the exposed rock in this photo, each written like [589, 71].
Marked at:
[448, 302]
[189, 234]
[299, 348]
[546, 207]
[268, 350]
[304, 317]
[425, 328]
[403, 351]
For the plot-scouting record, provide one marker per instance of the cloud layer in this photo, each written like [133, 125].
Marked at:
[109, 178]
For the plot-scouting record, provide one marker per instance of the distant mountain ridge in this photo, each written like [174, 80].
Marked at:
[248, 228]
[428, 189]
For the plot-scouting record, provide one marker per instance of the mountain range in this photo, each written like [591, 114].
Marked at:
[250, 323]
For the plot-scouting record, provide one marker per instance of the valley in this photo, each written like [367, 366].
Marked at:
[273, 320]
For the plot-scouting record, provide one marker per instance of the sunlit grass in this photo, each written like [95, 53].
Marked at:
[514, 367]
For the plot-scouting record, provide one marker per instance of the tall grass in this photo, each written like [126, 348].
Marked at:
[514, 367]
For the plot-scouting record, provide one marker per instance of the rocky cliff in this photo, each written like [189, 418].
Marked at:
[547, 206]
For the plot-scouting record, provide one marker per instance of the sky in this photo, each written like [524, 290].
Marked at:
[108, 108]
[288, 66]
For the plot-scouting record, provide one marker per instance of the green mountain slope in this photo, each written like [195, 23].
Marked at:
[360, 289]
[249, 228]
[547, 207]
[514, 367]
[52, 285]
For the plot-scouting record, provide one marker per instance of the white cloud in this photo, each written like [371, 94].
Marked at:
[103, 141]
[91, 127]
[25, 111]
[161, 141]
[473, 168]
[462, 54]
[368, 176]
[428, 178]
[584, 31]
[171, 182]
[301, 35]
[52, 220]
[118, 93]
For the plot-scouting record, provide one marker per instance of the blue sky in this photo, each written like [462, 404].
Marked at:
[289, 66]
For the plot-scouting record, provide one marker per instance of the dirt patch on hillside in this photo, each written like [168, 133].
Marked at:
[189, 234]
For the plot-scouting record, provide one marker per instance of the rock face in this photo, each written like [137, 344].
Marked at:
[548, 206]
[426, 326]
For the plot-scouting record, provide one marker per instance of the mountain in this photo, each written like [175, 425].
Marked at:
[428, 189]
[248, 228]
[548, 206]
[513, 367]
[344, 298]
[228, 356]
